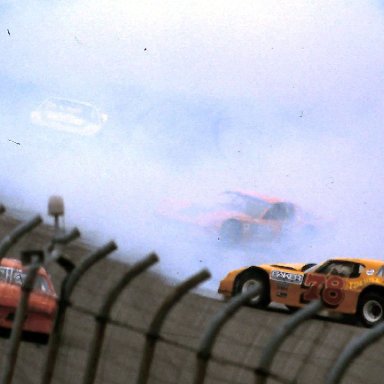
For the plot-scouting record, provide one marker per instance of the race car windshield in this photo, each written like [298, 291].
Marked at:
[313, 268]
[16, 276]
[247, 204]
[280, 211]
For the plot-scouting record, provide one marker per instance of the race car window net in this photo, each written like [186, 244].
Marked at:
[17, 277]
[340, 268]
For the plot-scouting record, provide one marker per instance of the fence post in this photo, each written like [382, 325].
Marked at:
[208, 339]
[262, 371]
[102, 317]
[352, 351]
[17, 233]
[21, 311]
[154, 329]
[59, 240]
[67, 287]
[55, 250]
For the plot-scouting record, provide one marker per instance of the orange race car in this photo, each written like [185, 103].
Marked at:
[42, 300]
[238, 217]
[345, 285]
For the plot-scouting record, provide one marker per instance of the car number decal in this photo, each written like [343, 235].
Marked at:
[286, 277]
[329, 289]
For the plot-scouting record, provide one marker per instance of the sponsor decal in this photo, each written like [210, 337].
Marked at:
[286, 277]
[282, 285]
[362, 282]
[282, 289]
[370, 272]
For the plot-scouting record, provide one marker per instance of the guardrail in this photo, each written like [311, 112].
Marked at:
[202, 356]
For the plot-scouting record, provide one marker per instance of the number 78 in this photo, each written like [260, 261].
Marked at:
[328, 288]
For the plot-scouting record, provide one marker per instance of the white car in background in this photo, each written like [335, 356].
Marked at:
[69, 115]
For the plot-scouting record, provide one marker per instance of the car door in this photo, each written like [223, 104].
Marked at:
[329, 282]
[285, 285]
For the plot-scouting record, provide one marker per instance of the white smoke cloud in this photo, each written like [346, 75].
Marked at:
[281, 98]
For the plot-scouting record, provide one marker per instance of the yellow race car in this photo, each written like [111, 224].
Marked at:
[345, 285]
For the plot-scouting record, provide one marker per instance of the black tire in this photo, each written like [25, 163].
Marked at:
[250, 279]
[292, 309]
[230, 231]
[371, 309]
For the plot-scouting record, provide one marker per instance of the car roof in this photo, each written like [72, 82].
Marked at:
[67, 101]
[370, 263]
[15, 263]
[12, 263]
[256, 195]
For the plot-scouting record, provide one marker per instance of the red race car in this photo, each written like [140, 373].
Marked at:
[42, 300]
[238, 217]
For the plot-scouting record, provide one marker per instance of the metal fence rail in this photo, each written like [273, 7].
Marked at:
[263, 369]
[67, 287]
[21, 312]
[55, 251]
[102, 317]
[153, 333]
[352, 351]
[18, 233]
[211, 333]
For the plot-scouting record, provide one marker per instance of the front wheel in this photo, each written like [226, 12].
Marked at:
[371, 309]
[249, 280]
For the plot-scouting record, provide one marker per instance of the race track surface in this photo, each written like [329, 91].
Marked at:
[305, 357]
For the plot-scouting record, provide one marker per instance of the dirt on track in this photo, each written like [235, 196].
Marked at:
[306, 356]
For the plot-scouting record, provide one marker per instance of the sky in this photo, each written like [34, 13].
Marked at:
[282, 98]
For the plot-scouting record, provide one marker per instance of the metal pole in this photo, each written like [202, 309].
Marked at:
[352, 351]
[154, 329]
[56, 209]
[67, 287]
[68, 237]
[262, 371]
[17, 327]
[209, 337]
[17, 233]
[55, 249]
[102, 317]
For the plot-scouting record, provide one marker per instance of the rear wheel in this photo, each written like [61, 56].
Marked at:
[251, 279]
[371, 309]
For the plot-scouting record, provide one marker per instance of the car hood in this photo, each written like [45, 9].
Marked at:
[290, 266]
[216, 218]
[201, 217]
